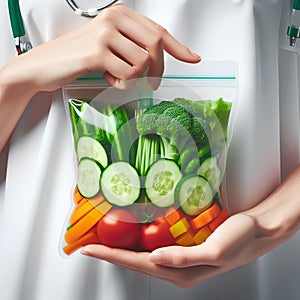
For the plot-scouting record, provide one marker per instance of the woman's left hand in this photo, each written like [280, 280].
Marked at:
[240, 239]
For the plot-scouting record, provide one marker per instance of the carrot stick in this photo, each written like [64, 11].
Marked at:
[81, 202]
[83, 209]
[89, 238]
[206, 217]
[202, 235]
[86, 222]
[214, 224]
[77, 195]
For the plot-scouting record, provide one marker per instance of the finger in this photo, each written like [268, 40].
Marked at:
[134, 261]
[131, 53]
[148, 42]
[139, 262]
[118, 83]
[170, 43]
[118, 72]
[183, 257]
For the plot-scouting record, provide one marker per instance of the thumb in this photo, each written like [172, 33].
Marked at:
[181, 257]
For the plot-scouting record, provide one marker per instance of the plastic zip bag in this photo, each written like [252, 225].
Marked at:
[150, 164]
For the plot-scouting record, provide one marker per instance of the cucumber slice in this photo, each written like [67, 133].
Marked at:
[120, 184]
[88, 181]
[194, 194]
[210, 170]
[91, 148]
[161, 180]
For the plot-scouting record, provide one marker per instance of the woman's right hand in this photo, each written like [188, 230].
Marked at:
[119, 41]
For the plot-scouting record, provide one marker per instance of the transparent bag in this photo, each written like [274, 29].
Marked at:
[150, 164]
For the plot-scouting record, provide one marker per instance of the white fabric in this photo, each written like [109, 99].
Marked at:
[35, 196]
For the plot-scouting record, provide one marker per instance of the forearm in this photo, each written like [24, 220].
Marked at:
[16, 91]
[278, 216]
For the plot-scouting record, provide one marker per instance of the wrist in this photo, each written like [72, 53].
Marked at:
[278, 216]
[16, 80]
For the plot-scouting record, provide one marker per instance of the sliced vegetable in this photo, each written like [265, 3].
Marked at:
[172, 216]
[88, 181]
[91, 148]
[148, 151]
[192, 166]
[119, 132]
[86, 223]
[83, 209]
[206, 217]
[120, 184]
[185, 239]
[216, 222]
[202, 235]
[89, 238]
[180, 227]
[210, 170]
[194, 194]
[161, 180]
[187, 155]
[77, 196]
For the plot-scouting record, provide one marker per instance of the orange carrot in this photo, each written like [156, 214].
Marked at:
[172, 216]
[89, 238]
[185, 239]
[218, 220]
[206, 217]
[81, 202]
[77, 195]
[86, 222]
[83, 209]
[202, 235]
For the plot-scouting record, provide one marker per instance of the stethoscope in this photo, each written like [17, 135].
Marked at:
[17, 25]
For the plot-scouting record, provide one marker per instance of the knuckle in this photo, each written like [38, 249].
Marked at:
[143, 61]
[104, 35]
[160, 29]
[156, 41]
[107, 15]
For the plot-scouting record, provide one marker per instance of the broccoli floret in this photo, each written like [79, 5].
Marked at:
[158, 108]
[146, 123]
[175, 122]
[189, 106]
[178, 130]
[161, 124]
[200, 131]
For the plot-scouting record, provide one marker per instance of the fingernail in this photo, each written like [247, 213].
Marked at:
[84, 251]
[195, 54]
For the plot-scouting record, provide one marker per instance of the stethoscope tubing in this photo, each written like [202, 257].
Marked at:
[17, 24]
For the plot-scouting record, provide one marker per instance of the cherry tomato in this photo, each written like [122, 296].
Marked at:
[156, 234]
[119, 228]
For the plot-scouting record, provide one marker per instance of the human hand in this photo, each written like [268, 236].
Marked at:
[234, 243]
[242, 238]
[118, 41]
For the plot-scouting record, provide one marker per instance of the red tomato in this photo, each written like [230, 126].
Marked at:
[119, 228]
[156, 234]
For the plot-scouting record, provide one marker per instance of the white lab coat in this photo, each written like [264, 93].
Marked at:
[38, 180]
